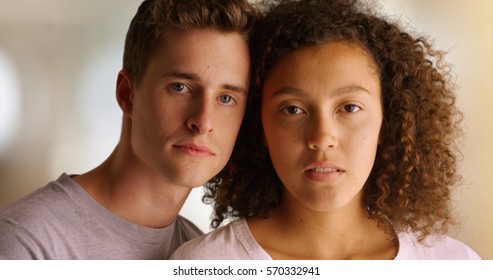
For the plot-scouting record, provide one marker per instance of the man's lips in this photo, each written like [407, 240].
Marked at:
[194, 149]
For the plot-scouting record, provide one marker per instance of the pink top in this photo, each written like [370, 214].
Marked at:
[235, 242]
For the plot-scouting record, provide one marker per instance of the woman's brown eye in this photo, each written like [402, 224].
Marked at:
[293, 110]
[351, 108]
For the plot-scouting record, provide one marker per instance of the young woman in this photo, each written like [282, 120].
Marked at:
[348, 148]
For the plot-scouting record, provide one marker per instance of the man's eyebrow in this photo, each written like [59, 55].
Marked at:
[182, 75]
[196, 78]
[237, 89]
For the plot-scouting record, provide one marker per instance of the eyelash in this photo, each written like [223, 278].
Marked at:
[287, 108]
[173, 85]
[231, 99]
[184, 89]
[343, 108]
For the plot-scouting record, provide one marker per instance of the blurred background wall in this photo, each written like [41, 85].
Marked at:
[58, 65]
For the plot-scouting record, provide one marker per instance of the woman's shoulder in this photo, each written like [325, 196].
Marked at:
[433, 248]
[229, 242]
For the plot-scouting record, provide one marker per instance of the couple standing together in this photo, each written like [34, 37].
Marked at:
[323, 130]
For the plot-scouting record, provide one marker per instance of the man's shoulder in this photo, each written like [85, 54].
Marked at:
[187, 228]
[43, 201]
[225, 243]
[22, 222]
[30, 223]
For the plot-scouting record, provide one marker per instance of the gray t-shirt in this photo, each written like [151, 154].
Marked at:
[61, 221]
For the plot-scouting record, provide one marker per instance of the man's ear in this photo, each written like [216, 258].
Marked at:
[124, 92]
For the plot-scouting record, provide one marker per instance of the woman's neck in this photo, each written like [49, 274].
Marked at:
[295, 232]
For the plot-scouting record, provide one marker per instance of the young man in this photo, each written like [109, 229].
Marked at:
[182, 92]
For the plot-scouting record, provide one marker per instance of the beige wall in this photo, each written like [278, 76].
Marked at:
[58, 64]
[465, 29]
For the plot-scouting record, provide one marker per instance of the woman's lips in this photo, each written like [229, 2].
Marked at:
[323, 172]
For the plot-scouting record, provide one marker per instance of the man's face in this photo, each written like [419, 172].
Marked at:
[189, 104]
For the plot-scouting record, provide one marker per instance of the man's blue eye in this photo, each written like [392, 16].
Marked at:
[225, 99]
[177, 87]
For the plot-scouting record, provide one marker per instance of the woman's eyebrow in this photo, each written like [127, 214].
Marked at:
[352, 88]
[287, 91]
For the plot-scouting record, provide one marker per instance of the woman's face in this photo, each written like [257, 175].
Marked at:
[321, 114]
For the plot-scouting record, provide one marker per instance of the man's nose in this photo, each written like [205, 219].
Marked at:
[200, 120]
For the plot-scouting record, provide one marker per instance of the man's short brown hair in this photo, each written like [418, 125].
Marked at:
[155, 17]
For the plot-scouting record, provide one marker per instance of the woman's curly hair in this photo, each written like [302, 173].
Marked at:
[416, 164]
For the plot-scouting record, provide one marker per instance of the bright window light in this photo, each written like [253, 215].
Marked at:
[9, 102]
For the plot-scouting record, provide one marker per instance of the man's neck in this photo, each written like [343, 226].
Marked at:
[134, 192]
